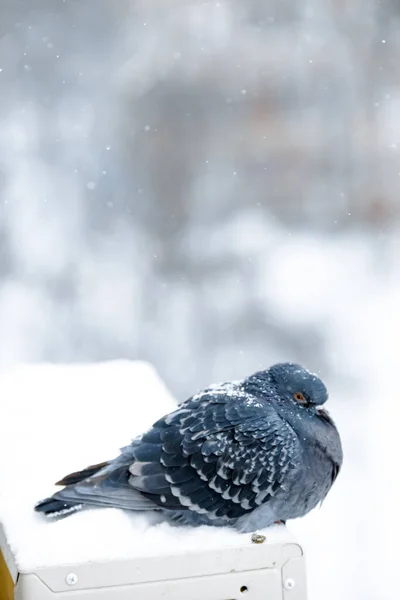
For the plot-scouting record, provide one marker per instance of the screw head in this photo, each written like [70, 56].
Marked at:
[289, 583]
[71, 579]
[257, 538]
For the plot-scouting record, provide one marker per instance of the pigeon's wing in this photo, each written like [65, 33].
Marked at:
[223, 452]
[78, 476]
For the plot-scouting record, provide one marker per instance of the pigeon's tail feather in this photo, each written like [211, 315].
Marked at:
[78, 476]
[109, 488]
[52, 507]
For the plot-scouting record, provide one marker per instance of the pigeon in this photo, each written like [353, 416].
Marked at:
[246, 454]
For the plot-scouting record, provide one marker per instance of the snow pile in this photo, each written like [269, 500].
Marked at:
[56, 419]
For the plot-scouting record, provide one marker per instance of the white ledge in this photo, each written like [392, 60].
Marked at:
[61, 418]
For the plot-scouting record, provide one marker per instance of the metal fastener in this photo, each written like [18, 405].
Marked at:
[289, 583]
[71, 579]
[257, 538]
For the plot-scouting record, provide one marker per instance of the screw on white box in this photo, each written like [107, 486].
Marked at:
[289, 583]
[71, 579]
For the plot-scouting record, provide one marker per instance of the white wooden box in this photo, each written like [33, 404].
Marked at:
[272, 570]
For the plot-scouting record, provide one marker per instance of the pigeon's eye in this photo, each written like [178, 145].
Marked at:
[298, 396]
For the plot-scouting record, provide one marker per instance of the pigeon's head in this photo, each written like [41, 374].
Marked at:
[295, 383]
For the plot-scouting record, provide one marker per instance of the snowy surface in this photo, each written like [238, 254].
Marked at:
[62, 418]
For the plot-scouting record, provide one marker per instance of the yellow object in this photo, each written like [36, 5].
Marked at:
[6, 581]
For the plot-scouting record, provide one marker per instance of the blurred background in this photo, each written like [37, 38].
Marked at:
[214, 186]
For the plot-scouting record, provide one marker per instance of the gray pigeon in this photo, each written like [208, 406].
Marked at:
[246, 453]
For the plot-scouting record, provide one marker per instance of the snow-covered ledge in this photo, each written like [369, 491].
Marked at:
[56, 419]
